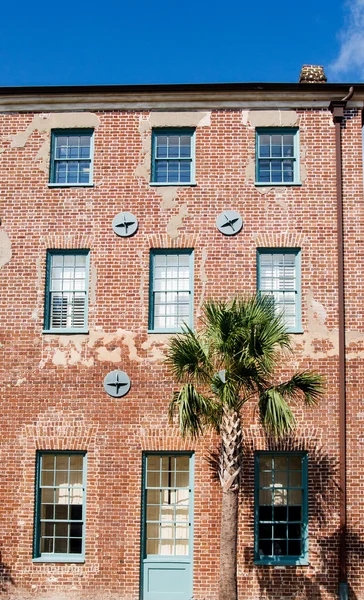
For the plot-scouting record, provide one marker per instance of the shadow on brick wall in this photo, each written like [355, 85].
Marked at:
[319, 581]
[6, 580]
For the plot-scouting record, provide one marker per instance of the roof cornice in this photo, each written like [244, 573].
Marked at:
[177, 96]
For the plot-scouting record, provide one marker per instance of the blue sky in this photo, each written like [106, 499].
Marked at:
[194, 41]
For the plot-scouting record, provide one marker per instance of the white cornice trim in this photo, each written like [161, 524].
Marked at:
[175, 101]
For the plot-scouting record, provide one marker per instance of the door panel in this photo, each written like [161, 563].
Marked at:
[167, 527]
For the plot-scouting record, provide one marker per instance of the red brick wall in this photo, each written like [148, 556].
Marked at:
[52, 385]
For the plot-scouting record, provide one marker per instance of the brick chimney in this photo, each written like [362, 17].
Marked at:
[312, 74]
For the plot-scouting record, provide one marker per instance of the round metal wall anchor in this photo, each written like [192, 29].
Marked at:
[125, 224]
[229, 222]
[117, 384]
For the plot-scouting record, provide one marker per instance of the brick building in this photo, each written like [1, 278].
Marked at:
[113, 207]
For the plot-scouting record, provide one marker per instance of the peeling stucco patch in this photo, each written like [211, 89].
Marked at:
[154, 347]
[105, 355]
[59, 358]
[203, 279]
[44, 123]
[93, 284]
[176, 221]
[303, 170]
[85, 350]
[168, 194]
[320, 341]
[5, 248]
[143, 271]
[270, 118]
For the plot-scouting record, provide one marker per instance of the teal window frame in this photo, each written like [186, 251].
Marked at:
[48, 291]
[297, 328]
[169, 132]
[172, 454]
[295, 159]
[57, 133]
[64, 557]
[169, 252]
[301, 559]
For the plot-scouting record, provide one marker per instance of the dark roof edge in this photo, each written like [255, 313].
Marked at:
[179, 87]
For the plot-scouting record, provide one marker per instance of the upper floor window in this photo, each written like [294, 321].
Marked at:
[71, 157]
[279, 276]
[59, 532]
[66, 291]
[171, 285]
[281, 505]
[173, 156]
[277, 156]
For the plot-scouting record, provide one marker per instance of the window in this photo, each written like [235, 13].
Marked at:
[277, 156]
[71, 157]
[168, 514]
[60, 506]
[171, 285]
[173, 156]
[66, 291]
[281, 507]
[279, 276]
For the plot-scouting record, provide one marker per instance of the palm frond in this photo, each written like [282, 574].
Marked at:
[263, 332]
[308, 384]
[226, 388]
[275, 413]
[187, 357]
[194, 411]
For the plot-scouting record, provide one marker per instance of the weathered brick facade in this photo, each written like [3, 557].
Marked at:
[52, 385]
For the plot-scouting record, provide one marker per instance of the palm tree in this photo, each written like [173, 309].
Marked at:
[229, 361]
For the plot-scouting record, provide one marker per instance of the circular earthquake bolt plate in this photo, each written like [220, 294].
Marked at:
[229, 222]
[116, 384]
[125, 224]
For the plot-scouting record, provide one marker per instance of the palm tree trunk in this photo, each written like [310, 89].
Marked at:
[230, 466]
[228, 546]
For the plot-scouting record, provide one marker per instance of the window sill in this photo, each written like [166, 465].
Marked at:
[299, 331]
[65, 331]
[59, 559]
[165, 331]
[67, 185]
[177, 184]
[277, 184]
[294, 562]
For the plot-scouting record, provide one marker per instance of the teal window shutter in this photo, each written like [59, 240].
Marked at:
[279, 276]
[277, 156]
[281, 508]
[71, 157]
[173, 156]
[60, 507]
[171, 290]
[66, 301]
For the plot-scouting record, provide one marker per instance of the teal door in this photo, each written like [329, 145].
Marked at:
[167, 527]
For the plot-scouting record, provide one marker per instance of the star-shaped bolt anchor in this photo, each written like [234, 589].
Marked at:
[229, 222]
[117, 384]
[125, 224]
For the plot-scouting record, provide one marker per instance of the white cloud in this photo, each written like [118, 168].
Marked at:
[351, 54]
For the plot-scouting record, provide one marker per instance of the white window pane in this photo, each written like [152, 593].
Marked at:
[182, 548]
[171, 322]
[159, 323]
[153, 547]
[182, 513]
[153, 479]
[159, 259]
[172, 259]
[166, 548]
